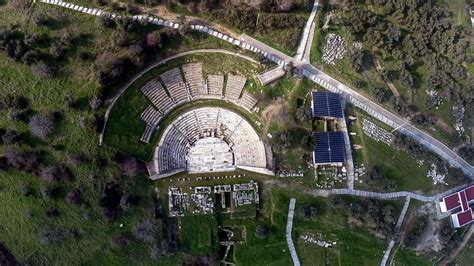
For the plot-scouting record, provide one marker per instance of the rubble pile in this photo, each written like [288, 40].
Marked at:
[375, 132]
[334, 49]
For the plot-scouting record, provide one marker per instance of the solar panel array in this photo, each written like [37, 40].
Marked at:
[329, 147]
[326, 104]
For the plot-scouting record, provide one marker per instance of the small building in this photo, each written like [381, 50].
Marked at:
[458, 204]
[326, 105]
[329, 148]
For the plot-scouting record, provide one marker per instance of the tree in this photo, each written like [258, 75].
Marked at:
[41, 126]
[130, 166]
[308, 211]
[135, 54]
[153, 40]
[303, 114]
[355, 57]
[95, 102]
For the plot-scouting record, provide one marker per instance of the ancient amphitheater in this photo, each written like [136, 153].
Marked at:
[207, 139]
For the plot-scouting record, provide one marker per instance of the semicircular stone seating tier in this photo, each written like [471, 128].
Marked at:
[186, 83]
[204, 131]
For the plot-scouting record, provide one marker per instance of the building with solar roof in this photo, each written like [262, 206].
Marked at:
[326, 105]
[329, 148]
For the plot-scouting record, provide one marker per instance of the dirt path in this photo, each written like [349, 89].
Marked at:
[163, 12]
[271, 113]
[379, 68]
[443, 125]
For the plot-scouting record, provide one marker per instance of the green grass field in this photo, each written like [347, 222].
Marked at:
[394, 164]
[199, 234]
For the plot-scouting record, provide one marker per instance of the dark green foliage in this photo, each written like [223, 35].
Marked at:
[262, 231]
[419, 226]
[467, 152]
[308, 211]
[49, 235]
[418, 32]
[378, 215]
[355, 57]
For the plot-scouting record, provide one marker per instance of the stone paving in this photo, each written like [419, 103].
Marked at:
[289, 228]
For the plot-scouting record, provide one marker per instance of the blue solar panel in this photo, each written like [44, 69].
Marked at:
[329, 147]
[326, 104]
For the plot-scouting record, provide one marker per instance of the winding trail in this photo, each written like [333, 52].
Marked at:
[363, 193]
[156, 64]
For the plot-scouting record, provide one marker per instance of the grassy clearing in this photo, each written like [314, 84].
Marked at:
[466, 256]
[199, 234]
[406, 257]
[355, 245]
[394, 164]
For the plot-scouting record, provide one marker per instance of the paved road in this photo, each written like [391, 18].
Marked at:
[302, 53]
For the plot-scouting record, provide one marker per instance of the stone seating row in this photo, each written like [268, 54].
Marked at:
[234, 87]
[176, 87]
[155, 92]
[151, 116]
[193, 76]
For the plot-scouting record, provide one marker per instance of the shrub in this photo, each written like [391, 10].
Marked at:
[56, 173]
[76, 159]
[74, 197]
[25, 190]
[49, 192]
[262, 231]
[48, 235]
[13, 100]
[11, 136]
[19, 4]
[126, 202]
[120, 241]
[23, 161]
[41, 126]
[52, 212]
